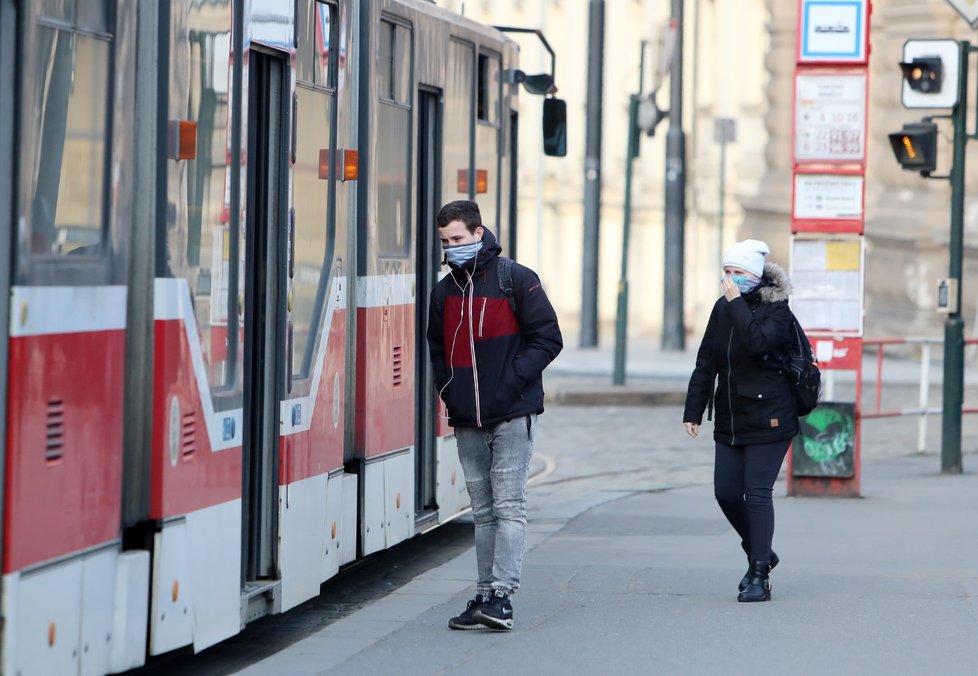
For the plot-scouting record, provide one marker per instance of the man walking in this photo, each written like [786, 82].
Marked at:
[491, 332]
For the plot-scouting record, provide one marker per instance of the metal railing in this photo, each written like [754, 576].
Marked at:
[923, 408]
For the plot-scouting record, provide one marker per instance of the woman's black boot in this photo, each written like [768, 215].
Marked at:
[745, 580]
[759, 588]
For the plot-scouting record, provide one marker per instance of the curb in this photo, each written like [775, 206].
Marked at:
[614, 395]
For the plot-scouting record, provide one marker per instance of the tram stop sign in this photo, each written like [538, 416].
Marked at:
[967, 9]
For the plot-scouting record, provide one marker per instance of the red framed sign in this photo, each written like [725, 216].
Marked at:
[828, 200]
[830, 116]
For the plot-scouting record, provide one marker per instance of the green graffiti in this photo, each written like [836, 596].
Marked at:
[826, 434]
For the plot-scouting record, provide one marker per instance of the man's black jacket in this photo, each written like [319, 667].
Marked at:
[488, 363]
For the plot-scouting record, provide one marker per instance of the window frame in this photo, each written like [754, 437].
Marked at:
[332, 75]
[298, 380]
[488, 56]
[47, 269]
[407, 107]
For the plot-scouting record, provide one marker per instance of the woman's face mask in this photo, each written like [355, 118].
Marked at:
[746, 282]
[462, 253]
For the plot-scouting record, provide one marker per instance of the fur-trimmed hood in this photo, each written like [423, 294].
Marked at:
[775, 285]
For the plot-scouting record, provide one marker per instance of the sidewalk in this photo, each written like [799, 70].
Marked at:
[631, 567]
[645, 582]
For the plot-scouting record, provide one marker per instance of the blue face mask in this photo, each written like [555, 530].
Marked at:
[746, 283]
[462, 253]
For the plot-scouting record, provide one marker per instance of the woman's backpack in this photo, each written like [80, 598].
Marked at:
[803, 370]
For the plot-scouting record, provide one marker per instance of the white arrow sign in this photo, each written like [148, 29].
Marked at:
[968, 9]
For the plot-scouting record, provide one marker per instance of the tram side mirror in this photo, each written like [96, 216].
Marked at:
[554, 127]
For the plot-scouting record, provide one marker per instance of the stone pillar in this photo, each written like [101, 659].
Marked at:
[767, 214]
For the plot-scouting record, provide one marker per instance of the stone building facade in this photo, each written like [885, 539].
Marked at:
[907, 217]
[739, 63]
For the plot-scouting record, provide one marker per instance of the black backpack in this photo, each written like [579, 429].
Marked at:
[803, 370]
[505, 271]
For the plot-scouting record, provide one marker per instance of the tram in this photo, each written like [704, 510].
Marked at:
[218, 247]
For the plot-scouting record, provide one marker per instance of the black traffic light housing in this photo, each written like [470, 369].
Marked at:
[915, 147]
[924, 74]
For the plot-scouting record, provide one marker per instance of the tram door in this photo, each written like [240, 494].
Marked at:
[264, 298]
[8, 27]
[428, 255]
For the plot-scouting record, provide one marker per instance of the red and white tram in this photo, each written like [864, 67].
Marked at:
[217, 238]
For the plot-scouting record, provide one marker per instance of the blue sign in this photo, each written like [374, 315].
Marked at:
[833, 31]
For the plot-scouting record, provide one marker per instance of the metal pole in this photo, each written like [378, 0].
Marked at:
[621, 323]
[592, 175]
[621, 317]
[954, 327]
[673, 331]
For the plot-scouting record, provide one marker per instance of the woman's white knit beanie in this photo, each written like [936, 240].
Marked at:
[748, 255]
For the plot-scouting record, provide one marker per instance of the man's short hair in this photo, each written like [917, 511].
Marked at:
[466, 211]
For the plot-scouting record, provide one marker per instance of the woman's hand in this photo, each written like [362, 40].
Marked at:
[730, 290]
[692, 429]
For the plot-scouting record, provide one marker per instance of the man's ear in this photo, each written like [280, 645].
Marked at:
[479, 232]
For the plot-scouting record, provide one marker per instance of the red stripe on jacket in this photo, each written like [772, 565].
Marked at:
[491, 318]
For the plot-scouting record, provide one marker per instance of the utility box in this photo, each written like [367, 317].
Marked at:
[947, 296]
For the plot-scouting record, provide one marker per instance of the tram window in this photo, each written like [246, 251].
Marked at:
[487, 102]
[93, 15]
[315, 246]
[402, 65]
[393, 140]
[393, 180]
[68, 141]
[202, 245]
[394, 62]
[305, 56]
[457, 120]
[317, 38]
[62, 10]
[385, 67]
[325, 39]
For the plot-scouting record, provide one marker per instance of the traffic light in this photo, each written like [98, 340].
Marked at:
[915, 146]
[926, 65]
[924, 74]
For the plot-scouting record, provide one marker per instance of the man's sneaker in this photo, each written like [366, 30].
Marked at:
[466, 619]
[497, 613]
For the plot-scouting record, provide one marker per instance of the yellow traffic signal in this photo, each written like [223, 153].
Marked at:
[924, 74]
[915, 146]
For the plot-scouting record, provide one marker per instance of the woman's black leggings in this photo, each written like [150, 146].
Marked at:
[743, 481]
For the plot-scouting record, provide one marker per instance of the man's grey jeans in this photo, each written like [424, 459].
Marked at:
[496, 461]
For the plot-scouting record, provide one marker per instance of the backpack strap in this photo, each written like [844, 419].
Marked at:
[803, 346]
[505, 272]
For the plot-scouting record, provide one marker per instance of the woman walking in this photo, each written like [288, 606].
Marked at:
[755, 420]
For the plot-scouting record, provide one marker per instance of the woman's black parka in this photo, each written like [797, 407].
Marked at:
[741, 352]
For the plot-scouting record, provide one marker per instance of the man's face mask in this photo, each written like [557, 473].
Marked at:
[462, 253]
